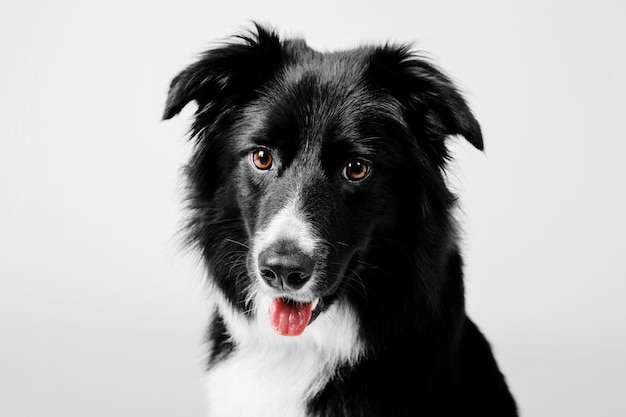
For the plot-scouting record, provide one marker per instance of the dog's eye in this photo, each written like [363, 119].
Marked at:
[262, 159]
[356, 170]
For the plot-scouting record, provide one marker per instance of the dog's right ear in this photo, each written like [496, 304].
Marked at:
[226, 76]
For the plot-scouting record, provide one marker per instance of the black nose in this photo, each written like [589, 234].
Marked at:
[283, 266]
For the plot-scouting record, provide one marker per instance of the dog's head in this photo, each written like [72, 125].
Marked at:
[306, 162]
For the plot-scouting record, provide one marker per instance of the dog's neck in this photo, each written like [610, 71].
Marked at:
[261, 366]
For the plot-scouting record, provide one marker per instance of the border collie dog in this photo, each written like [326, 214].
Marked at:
[317, 198]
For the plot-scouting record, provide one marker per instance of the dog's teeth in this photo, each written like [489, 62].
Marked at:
[315, 302]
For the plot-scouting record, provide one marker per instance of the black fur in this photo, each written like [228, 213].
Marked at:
[392, 249]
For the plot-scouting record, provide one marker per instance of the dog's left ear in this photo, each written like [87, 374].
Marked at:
[433, 106]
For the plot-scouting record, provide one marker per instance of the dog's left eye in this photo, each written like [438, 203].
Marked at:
[262, 159]
[356, 170]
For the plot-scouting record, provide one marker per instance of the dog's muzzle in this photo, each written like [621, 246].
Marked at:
[285, 268]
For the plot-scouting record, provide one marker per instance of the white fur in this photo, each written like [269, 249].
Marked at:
[288, 224]
[269, 375]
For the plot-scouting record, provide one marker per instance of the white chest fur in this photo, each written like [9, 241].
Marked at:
[263, 382]
[270, 375]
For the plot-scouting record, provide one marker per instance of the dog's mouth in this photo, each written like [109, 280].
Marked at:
[290, 318]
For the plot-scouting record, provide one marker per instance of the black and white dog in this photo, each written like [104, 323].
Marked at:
[318, 201]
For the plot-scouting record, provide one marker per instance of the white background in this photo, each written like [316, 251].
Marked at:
[101, 311]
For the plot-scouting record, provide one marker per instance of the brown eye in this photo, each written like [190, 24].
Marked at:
[356, 170]
[262, 159]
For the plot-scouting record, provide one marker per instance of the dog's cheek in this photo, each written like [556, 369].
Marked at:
[249, 193]
[364, 203]
[259, 198]
[368, 211]
[345, 221]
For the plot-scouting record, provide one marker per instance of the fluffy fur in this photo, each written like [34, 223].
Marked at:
[316, 187]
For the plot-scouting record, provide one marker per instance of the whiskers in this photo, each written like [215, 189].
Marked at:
[353, 280]
[357, 273]
[238, 243]
[233, 271]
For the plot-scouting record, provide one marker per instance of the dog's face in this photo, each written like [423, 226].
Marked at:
[313, 184]
[305, 162]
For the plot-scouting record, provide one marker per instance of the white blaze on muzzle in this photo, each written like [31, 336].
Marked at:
[289, 224]
[284, 254]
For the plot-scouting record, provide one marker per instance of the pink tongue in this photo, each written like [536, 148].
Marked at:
[289, 318]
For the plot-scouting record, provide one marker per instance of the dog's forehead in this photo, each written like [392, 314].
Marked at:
[323, 104]
[316, 97]
[329, 68]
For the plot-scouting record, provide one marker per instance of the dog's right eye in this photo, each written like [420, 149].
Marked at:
[356, 170]
[262, 159]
